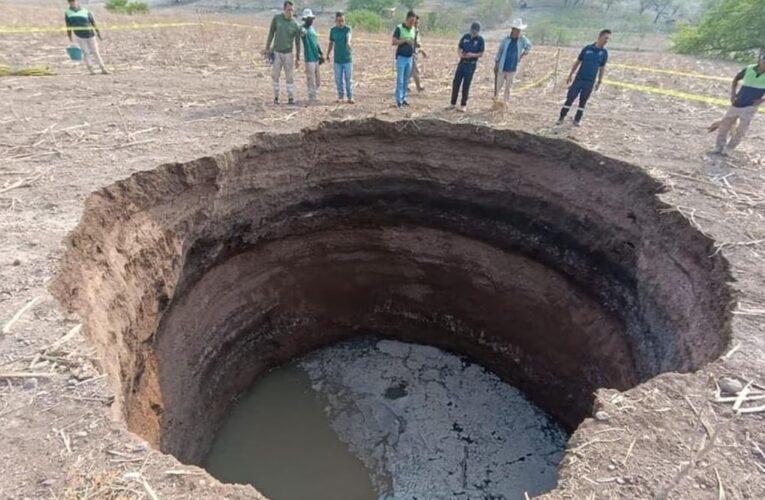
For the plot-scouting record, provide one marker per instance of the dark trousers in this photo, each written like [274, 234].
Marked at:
[463, 76]
[579, 89]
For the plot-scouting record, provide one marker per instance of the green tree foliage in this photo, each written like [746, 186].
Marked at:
[376, 6]
[126, 7]
[365, 20]
[730, 29]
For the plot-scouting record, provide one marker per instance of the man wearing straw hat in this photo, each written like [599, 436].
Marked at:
[511, 50]
[81, 22]
[744, 105]
[285, 35]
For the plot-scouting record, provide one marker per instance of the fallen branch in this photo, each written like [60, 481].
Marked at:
[29, 305]
[27, 374]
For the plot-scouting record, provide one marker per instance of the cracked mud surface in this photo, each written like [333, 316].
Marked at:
[426, 423]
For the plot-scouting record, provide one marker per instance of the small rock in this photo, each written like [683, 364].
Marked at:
[140, 447]
[601, 416]
[81, 434]
[611, 467]
[730, 385]
[619, 480]
[30, 383]
[16, 262]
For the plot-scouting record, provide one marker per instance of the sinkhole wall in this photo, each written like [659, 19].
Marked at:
[553, 266]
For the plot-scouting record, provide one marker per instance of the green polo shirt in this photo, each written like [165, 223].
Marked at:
[340, 37]
[285, 34]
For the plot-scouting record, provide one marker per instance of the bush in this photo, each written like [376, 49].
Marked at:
[365, 20]
[127, 7]
[549, 33]
[374, 6]
[731, 29]
[447, 20]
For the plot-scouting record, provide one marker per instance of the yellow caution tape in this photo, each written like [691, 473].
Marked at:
[671, 72]
[536, 83]
[113, 27]
[33, 71]
[687, 96]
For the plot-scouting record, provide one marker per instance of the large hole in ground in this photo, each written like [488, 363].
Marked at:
[556, 268]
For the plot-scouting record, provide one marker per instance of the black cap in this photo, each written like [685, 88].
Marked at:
[475, 27]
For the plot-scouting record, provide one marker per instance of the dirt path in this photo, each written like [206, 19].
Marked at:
[179, 94]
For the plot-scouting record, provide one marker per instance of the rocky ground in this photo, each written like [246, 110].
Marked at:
[178, 94]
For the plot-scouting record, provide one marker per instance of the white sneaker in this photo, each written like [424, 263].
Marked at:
[463, 109]
[717, 151]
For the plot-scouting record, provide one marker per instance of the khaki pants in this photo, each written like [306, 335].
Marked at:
[744, 117]
[505, 79]
[312, 79]
[284, 60]
[415, 72]
[89, 47]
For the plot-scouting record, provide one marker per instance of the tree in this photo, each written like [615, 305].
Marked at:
[731, 29]
[664, 8]
[611, 3]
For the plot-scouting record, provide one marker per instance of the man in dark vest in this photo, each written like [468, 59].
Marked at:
[80, 22]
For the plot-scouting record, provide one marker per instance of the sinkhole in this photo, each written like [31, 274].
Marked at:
[551, 268]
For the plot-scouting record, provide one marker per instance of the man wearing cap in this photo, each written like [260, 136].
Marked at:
[312, 54]
[470, 49]
[511, 50]
[403, 40]
[590, 64]
[744, 105]
[285, 35]
[81, 22]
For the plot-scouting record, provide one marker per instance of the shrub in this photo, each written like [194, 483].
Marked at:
[447, 20]
[731, 28]
[365, 20]
[126, 6]
[549, 33]
[375, 6]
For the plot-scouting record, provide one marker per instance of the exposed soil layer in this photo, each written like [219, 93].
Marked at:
[552, 266]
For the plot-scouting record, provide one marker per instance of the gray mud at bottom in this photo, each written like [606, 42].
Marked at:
[429, 425]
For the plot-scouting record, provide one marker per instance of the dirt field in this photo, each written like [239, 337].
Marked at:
[182, 93]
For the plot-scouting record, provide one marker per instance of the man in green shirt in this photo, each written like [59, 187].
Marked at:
[313, 56]
[285, 35]
[340, 39]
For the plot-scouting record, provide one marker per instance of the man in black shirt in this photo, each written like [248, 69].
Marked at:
[470, 49]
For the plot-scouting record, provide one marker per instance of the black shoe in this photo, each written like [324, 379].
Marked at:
[404, 103]
[291, 101]
[276, 101]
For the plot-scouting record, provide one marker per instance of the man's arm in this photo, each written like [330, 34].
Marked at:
[601, 72]
[68, 28]
[734, 85]
[93, 23]
[329, 49]
[271, 33]
[396, 41]
[573, 70]
[297, 48]
[527, 49]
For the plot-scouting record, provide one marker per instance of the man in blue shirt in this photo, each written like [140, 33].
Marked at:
[470, 49]
[403, 40]
[744, 105]
[591, 64]
[511, 51]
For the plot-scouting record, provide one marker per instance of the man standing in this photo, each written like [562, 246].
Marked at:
[470, 49]
[417, 52]
[313, 56]
[511, 51]
[403, 40]
[285, 35]
[80, 22]
[591, 63]
[340, 39]
[744, 105]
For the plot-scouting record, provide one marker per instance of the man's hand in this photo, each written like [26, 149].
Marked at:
[597, 86]
[733, 98]
[568, 80]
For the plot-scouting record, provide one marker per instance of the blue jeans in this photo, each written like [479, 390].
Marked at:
[344, 80]
[403, 71]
